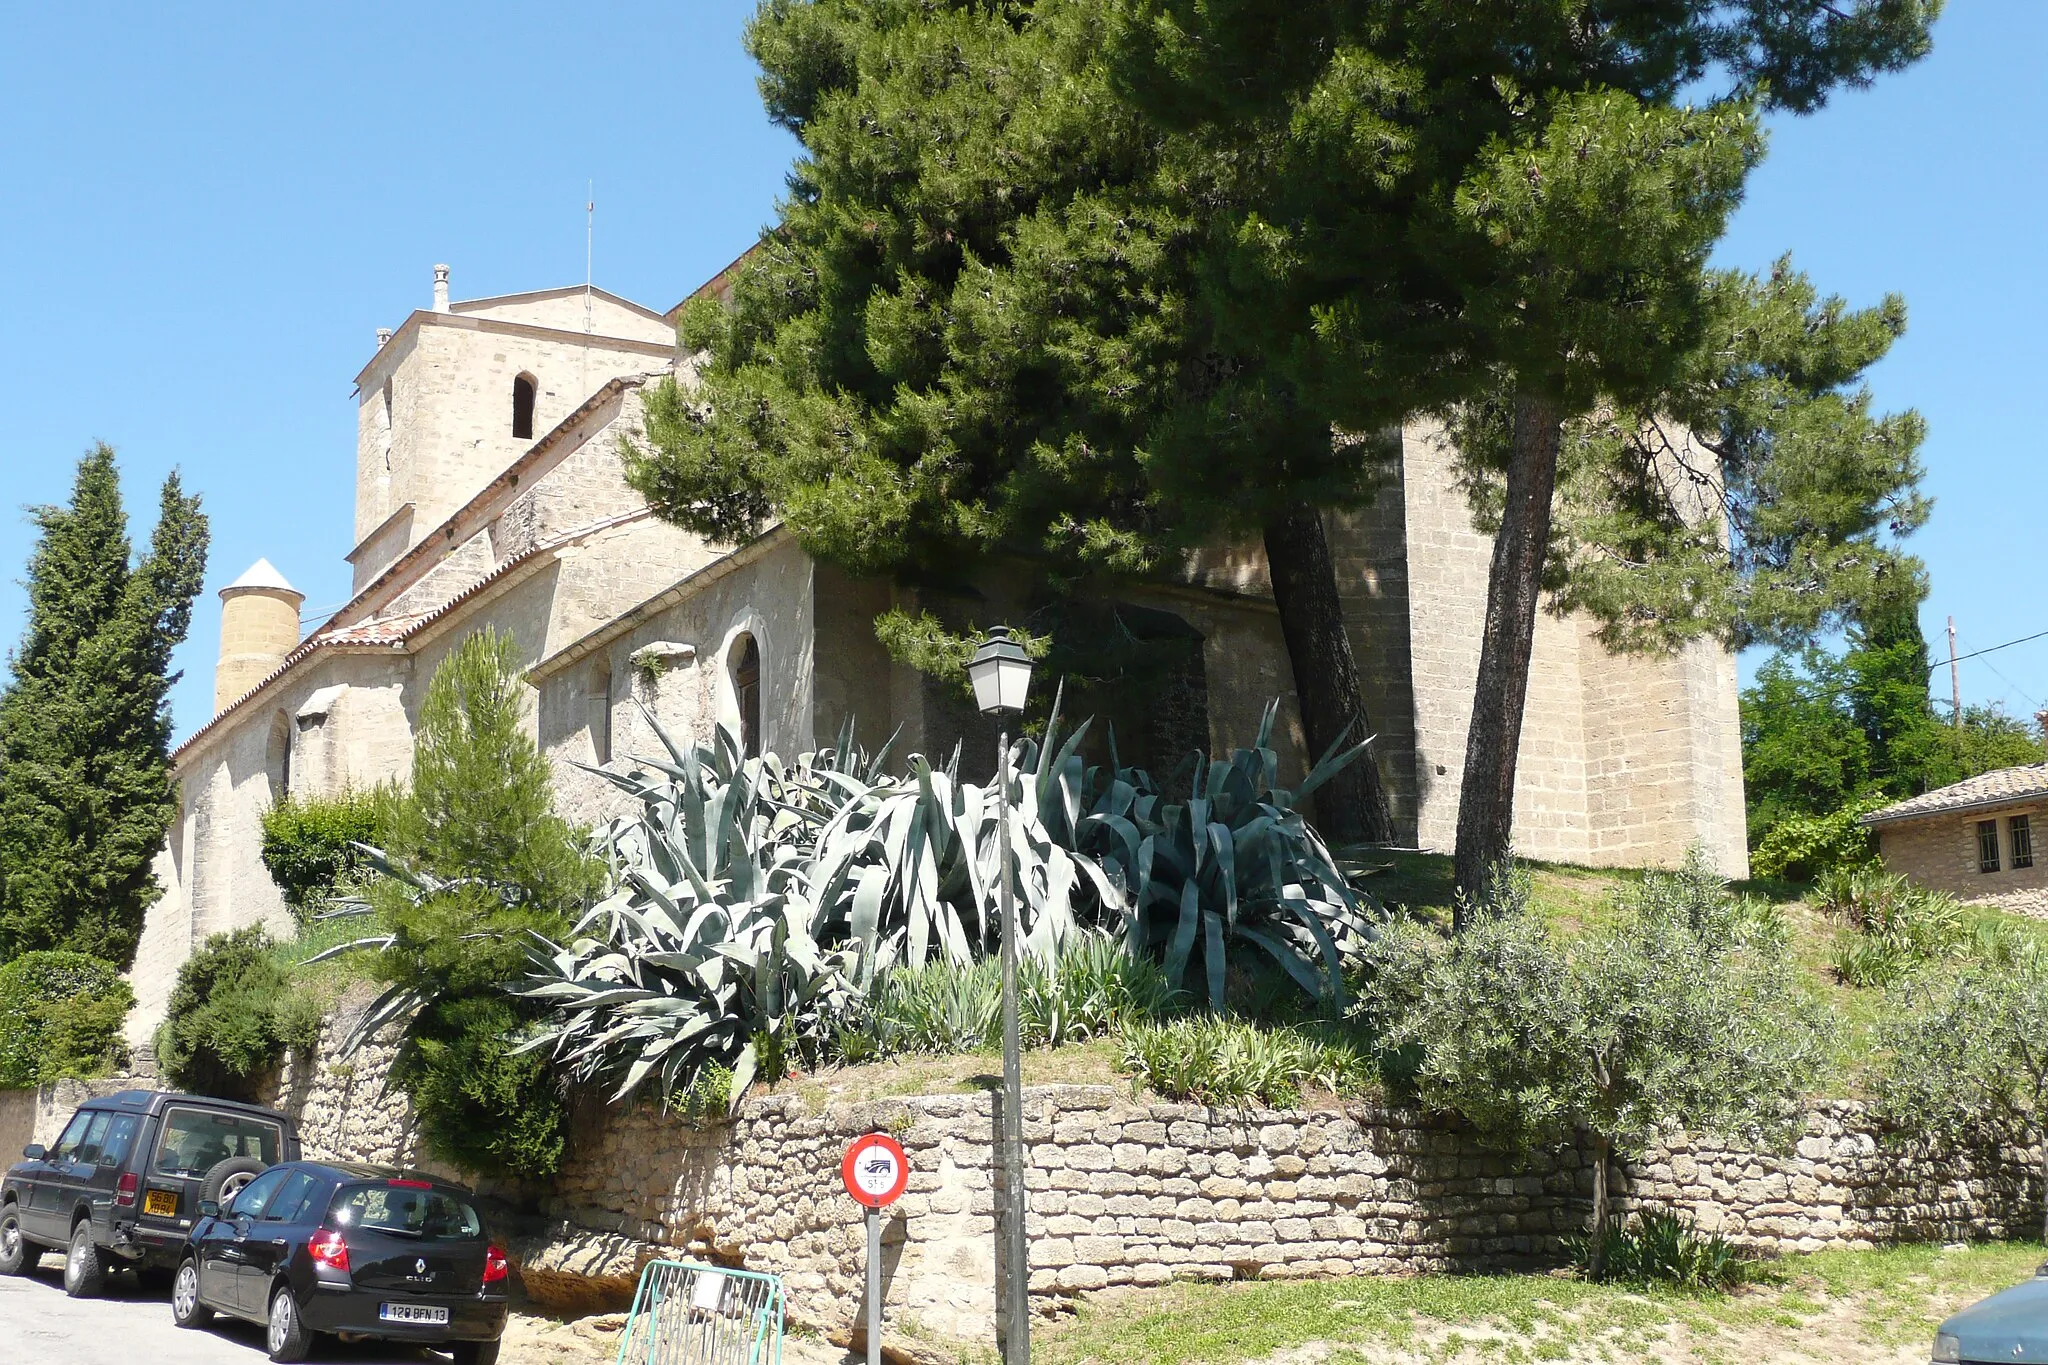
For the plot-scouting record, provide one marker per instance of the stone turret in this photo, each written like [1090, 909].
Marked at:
[259, 625]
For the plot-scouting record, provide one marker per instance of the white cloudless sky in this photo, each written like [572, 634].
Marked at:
[207, 211]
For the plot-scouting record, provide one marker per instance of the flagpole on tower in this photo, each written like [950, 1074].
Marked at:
[589, 239]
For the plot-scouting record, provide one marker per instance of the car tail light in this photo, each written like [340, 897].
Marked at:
[328, 1251]
[410, 1184]
[496, 1267]
[124, 1193]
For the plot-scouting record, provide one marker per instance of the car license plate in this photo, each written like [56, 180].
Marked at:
[161, 1204]
[413, 1312]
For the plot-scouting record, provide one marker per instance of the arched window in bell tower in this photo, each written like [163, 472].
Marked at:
[522, 407]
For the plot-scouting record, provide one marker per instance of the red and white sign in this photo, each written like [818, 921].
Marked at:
[875, 1170]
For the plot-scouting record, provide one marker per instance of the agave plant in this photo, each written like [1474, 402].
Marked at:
[1235, 864]
[703, 953]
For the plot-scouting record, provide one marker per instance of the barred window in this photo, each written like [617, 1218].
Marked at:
[1987, 846]
[2021, 836]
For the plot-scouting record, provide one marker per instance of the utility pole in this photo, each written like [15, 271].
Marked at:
[1955, 679]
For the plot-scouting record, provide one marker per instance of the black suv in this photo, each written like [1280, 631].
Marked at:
[123, 1184]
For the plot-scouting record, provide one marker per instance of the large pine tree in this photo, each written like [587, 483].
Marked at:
[981, 332]
[85, 791]
[1526, 191]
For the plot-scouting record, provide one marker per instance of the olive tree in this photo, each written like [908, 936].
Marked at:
[1967, 1061]
[1658, 1023]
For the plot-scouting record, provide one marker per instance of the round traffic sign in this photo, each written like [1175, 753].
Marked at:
[875, 1170]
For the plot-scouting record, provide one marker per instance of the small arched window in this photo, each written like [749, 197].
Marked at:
[522, 408]
[746, 692]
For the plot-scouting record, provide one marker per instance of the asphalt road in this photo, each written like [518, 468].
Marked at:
[131, 1325]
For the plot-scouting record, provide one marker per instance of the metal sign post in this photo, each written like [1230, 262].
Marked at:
[876, 1171]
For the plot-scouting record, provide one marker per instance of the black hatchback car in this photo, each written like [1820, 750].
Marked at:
[313, 1247]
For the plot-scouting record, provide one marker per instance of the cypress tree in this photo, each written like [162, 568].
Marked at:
[85, 792]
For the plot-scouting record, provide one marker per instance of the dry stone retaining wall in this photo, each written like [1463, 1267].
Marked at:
[1126, 1192]
[1131, 1193]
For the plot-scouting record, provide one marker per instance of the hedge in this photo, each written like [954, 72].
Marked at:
[60, 1015]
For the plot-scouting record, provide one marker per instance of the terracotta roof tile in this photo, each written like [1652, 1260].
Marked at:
[1985, 789]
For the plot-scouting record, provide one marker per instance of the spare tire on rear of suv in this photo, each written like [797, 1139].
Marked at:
[224, 1179]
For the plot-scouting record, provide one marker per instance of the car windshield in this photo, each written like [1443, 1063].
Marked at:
[197, 1140]
[406, 1210]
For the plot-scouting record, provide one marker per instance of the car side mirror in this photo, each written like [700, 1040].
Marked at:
[209, 1208]
[35, 1151]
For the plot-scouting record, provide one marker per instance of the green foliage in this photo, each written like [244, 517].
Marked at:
[1662, 1248]
[85, 793]
[60, 1015]
[1827, 737]
[1235, 866]
[1804, 848]
[1898, 927]
[1663, 1019]
[233, 1014]
[310, 845]
[1966, 1064]
[476, 864]
[1094, 988]
[1695, 897]
[704, 951]
[1215, 1059]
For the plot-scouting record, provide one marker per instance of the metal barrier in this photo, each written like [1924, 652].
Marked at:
[690, 1314]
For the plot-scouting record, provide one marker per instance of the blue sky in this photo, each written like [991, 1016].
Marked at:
[206, 218]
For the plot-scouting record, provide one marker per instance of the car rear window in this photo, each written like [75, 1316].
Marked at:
[406, 1210]
[197, 1140]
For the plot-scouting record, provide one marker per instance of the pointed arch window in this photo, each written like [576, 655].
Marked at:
[746, 692]
[277, 758]
[523, 389]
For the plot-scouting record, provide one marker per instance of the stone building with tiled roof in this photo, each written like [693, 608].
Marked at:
[489, 491]
[1973, 839]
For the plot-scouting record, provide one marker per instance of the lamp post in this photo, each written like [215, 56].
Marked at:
[1001, 673]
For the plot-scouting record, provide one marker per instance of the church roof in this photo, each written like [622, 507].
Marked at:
[262, 575]
[1999, 788]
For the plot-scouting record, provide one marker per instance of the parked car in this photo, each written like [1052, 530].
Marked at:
[2011, 1325]
[122, 1186]
[328, 1247]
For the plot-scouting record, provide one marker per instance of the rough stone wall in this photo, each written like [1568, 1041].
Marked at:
[1130, 1193]
[1940, 852]
[1369, 549]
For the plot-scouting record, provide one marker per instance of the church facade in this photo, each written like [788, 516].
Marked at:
[490, 492]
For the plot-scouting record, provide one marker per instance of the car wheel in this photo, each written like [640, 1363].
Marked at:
[186, 1309]
[288, 1338]
[85, 1274]
[18, 1255]
[224, 1179]
[476, 1353]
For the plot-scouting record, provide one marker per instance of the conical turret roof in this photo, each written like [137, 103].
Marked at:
[262, 576]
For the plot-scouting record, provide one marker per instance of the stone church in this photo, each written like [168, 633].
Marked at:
[489, 492]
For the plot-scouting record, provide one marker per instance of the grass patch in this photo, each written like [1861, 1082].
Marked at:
[1830, 1305]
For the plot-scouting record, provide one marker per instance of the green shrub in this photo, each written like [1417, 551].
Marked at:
[1660, 1248]
[941, 1008]
[1800, 848]
[310, 845]
[1697, 897]
[60, 1015]
[1898, 926]
[1215, 1059]
[233, 1015]
[475, 869]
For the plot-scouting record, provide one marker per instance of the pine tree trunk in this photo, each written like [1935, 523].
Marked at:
[1486, 802]
[1597, 1261]
[1352, 806]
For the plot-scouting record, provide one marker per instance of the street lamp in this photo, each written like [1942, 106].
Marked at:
[1001, 673]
